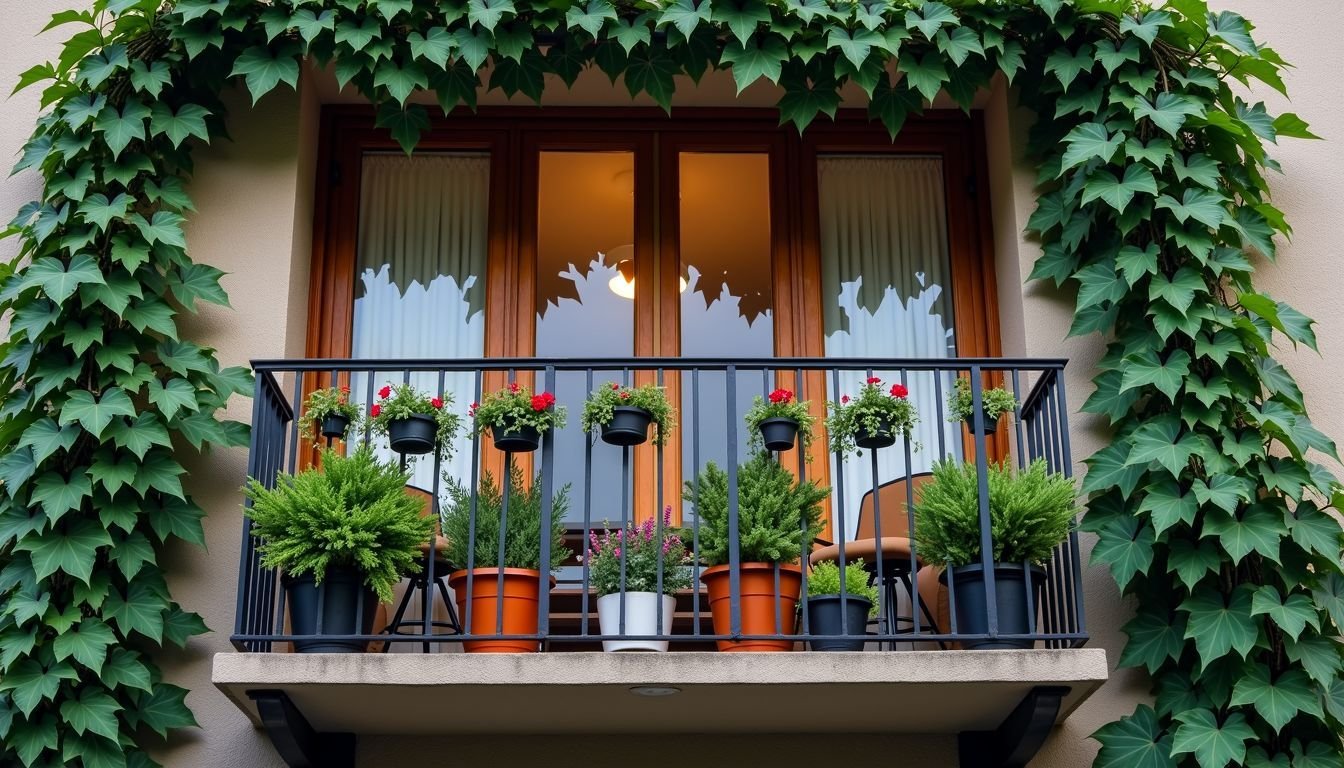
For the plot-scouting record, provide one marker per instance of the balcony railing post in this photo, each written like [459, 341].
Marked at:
[547, 513]
[507, 491]
[734, 541]
[982, 484]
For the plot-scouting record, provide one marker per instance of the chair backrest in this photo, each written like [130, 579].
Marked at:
[892, 497]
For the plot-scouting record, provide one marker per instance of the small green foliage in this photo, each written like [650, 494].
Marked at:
[824, 581]
[876, 410]
[1030, 513]
[994, 402]
[522, 527]
[777, 517]
[403, 401]
[354, 511]
[515, 408]
[322, 403]
[601, 406]
[644, 550]
[779, 405]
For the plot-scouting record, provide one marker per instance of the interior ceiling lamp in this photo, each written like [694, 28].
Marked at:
[623, 282]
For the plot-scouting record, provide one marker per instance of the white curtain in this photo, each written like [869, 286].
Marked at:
[886, 293]
[421, 278]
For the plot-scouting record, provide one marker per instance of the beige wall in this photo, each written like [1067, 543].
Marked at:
[254, 196]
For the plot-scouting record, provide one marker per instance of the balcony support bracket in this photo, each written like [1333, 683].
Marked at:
[298, 744]
[1017, 739]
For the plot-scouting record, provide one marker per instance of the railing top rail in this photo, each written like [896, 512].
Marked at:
[673, 363]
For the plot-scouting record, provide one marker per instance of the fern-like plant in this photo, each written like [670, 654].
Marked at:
[776, 515]
[824, 580]
[522, 529]
[354, 512]
[1030, 513]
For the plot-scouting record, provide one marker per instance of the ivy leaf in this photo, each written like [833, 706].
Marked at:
[1118, 193]
[1109, 467]
[1199, 204]
[1065, 65]
[925, 75]
[1135, 263]
[131, 554]
[405, 125]
[751, 62]
[88, 643]
[929, 18]
[400, 82]
[99, 211]
[590, 17]
[650, 70]
[95, 414]
[45, 437]
[165, 709]
[140, 609]
[163, 227]
[161, 473]
[113, 473]
[1153, 641]
[1219, 624]
[1147, 368]
[1146, 28]
[1315, 531]
[139, 435]
[1258, 529]
[524, 75]
[1296, 326]
[57, 496]
[1134, 741]
[16, 523]
[1318, 655]
[1233, 30]
[1168, 111]
[59, 281]
[742, 17]
[29, 684]
[488, 13]
[1224, 491]
[357, 36]
[807, 10]
[855, 47]
[1214, 745]
[1291, 615]
[86, 107]
[176, 517]
[1279, 701]
[263, 70]
[1199, 168]
[1126, 545]
[120, 128]
[1090, 141]
[71, 552]
[1168, 505]
[629, 35]
[186, 123]
[1192, 562]
[959, 45]
[123, 669]
[805, 97]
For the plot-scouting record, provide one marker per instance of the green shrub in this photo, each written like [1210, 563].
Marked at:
[1030, 514]
[777, 516]
[522, 534]
[354, 511]
[825, 580]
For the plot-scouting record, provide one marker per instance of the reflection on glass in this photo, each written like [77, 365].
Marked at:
[420, 275]
[726, 302]
[885, 273]
[585, 253]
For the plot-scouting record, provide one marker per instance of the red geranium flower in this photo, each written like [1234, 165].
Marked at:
[874, 380]
[625, 395]
[375, 410]
[345, 390]
[781, 396]
[549, 398]
[844, 399]
[513, 387]
[384, 392]
[437, 402]
[615, 386]
[898, 390]
[538, 403]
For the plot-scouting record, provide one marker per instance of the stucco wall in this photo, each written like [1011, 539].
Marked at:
[254, 196]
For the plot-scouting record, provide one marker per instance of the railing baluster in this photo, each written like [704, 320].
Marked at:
[734, 539]
[982, 484]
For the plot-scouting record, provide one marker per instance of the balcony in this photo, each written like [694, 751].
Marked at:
[915, 647]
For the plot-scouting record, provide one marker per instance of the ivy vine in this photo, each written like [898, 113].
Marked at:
[1206, 503]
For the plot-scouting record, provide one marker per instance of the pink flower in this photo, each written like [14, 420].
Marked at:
[898, 390]
[384, 392]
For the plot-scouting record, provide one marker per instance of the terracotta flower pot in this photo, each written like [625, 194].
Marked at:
[760, 605]
[521, 592]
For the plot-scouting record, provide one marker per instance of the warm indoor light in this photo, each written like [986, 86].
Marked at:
[623, 282]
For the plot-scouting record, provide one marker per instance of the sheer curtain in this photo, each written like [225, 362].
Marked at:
[885, 288]
[420, 266]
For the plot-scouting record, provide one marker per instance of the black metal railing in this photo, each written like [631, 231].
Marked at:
[712, 394]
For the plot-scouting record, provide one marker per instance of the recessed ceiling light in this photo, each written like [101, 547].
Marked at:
[655, 690]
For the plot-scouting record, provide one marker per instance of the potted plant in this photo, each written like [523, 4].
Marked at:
[328, 412]
[777, 421]
[522, 564]
[413, 422]
[873, 419]
[648, 554]
[1031, 512]
[777, 520]
[342, 536]
[828, 615]
[516, 417]
[993, 404]
[624, 413]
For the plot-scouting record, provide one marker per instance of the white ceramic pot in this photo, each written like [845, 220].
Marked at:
[641, 618]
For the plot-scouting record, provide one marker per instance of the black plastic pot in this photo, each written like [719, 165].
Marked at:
[335, 425]
[826, 616]
[414, 434]
[341, 596]
[521, 440]
[628, 426]
[1010, 588]
[779, 434]
[991, 425]
[883, 437]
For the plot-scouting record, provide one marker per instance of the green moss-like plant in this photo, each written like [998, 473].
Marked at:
[776, 515]
[995, 402]
[354, 511]
[1030, 513]
[824, 580]
[522, 527]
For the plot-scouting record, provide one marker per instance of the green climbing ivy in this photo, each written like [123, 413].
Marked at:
[1207, 503]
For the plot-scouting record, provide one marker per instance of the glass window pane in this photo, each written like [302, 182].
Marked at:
[886, 292]
[727, 297]
[420, 273]
[585, 297]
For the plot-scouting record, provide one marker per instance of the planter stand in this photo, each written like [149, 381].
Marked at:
[298, 744]
[1018, 738]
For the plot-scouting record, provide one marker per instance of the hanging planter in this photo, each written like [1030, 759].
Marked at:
[516, 418]
[873, 419]
[623, 415]
[414, 423]
[994, 403]
[328, 413]
[335, 426]
[412, 435]
[778, 421]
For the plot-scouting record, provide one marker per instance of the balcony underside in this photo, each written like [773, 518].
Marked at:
[938, 692]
